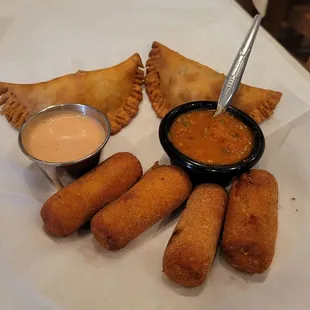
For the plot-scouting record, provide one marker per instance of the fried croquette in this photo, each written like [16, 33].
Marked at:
[191, 249]
[74, 205]
[250, 229]
[160, 191]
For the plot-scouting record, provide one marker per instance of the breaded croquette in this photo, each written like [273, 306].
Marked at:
[250, 230]
[74, 205]
[191, 249]
[160, 191]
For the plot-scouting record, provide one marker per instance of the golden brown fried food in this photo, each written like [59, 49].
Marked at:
[251, 224]
[172, 80]
[190, 251]
[115, 91]
[158, 193]
[74, 205]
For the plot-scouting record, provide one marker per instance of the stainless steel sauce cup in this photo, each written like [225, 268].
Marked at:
[63, 173]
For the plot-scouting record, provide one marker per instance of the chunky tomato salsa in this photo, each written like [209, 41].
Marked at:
[211, 140]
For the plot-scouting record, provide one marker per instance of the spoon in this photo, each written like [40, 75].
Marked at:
[233, 79]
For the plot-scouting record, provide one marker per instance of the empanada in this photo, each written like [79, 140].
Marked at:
[115, 91]
[172, 80]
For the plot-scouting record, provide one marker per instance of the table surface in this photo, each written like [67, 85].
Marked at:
[43, 39]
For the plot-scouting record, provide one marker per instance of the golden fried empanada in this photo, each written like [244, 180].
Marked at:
[172, 80]
[115, 91]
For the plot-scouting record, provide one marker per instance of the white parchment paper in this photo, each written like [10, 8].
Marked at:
[42, 39]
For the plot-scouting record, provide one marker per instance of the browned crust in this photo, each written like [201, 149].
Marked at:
[131, 105]
[17, 105]
[14, 111]
[265, 110]
[152, 82]
[156, 195]
[266, 100]
[191, 249]
[74, 205]
[251, 224]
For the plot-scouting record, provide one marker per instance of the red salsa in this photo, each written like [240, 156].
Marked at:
[211, 140]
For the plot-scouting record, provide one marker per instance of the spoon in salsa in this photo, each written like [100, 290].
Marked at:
[233, 79]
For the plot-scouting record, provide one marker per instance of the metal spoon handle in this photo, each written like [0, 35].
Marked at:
[235, 73]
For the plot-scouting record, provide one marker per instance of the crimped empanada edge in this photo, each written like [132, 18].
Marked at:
[265, 110]
[15, 112]
[152, 81]
[131, 106]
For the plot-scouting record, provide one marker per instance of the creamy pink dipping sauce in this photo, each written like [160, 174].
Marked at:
[62, 136]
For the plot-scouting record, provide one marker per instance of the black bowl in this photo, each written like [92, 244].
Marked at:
[206, 173]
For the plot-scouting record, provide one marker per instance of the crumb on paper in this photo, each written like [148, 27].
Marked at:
[293, 199]
[296, 210]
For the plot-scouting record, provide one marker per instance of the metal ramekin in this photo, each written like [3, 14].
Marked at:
[63, 173]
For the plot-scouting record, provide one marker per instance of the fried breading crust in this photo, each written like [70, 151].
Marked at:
[190, 251]
[251, 225]
[74, 205]
[116, 92]
[160, 191]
